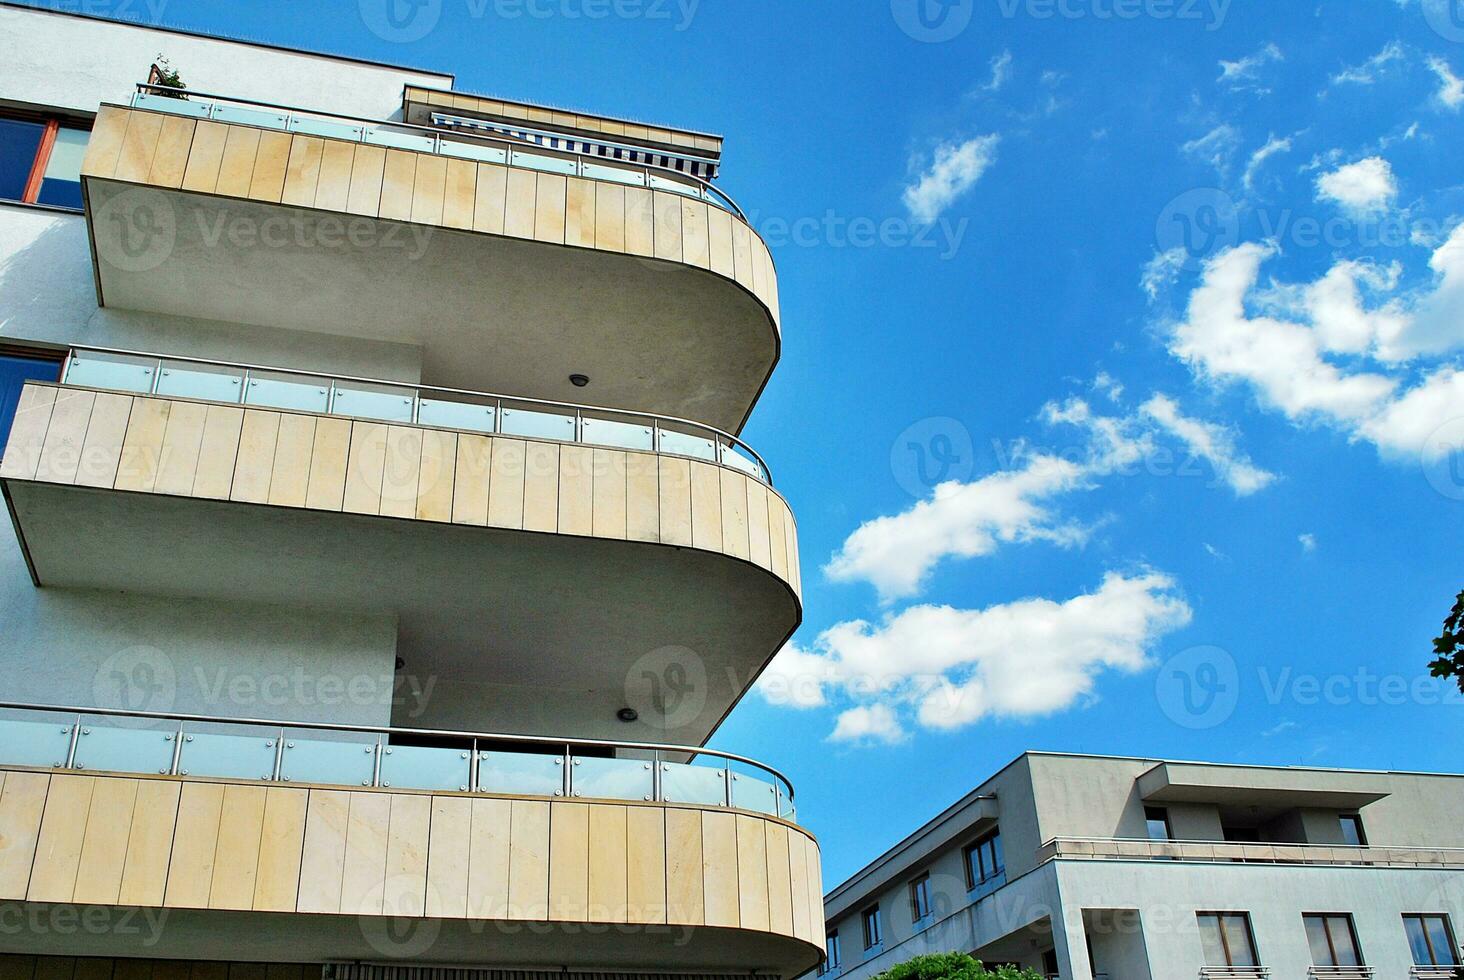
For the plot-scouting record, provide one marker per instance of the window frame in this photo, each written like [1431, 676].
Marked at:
[920, 896]
[52, 122]
[1443, 917]
[833, 956]
[976, 874]
[1355, 819]
[1326, 919]
[1158, 814]
[1250, 935]
[871, 926]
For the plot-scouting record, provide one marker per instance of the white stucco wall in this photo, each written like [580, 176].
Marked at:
[70, 62]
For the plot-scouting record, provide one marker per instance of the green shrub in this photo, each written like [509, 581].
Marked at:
[953, 966]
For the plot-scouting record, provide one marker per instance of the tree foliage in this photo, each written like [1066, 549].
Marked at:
[952, 966]
[1450, 646]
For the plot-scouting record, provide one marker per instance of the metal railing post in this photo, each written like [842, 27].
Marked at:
[71, 746]
[177, 750]
[473, 769]
[727, 781]
[279, 760]
[244, 387]
[376, 764]
[568, 781]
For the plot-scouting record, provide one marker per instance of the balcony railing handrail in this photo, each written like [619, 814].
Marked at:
[712, 193]
[719, 437]
[1053, 841]
[491, 737]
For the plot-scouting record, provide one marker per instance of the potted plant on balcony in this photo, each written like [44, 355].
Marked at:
[169, 83]
[953, 966]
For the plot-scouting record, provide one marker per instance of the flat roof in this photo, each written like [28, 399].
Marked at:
[970, 797]
[168, 28]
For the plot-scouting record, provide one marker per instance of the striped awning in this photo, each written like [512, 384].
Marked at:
[696, 166]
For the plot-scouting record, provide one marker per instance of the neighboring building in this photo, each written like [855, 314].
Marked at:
[1141, 869]
[374, 491]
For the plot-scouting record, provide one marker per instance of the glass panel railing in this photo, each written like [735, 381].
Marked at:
[738, 458]
[318, 760]
[457, 415]
[400, 139]
[203, 381]
[474, 151]
[537, 425]
[288, 391]
[613, 779]
[373, 402]
[546, 163]
[175, 106]
[415, 767]
[693, 784]
[118, 371]
[331, 128]
[620, 435]
[750, 793]
[107, 749]
[40, 744]
[786, 809]
[619, 175]
[228, 756]
[661, 183]
[521, 773]
[682, 444]
[249, 117]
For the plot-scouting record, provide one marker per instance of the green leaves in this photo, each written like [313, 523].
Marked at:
[1450, 646]
[954, 966]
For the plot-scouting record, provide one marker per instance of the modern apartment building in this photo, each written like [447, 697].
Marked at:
[1142, 869]
[380, 550]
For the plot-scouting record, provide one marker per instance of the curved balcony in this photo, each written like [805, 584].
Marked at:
[544, 569]
[509, 264]
[645, 861]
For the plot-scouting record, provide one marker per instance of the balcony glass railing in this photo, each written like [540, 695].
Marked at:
[1104, 849]
[389, 401]
[445, 142]
[108, 740]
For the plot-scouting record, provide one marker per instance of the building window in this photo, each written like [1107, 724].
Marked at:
[1431, 939]
[984, 860]
[832, 955]
[40, 160]
[1352, 833]
[1156, 818]
[1227, 940]
[920, 898]
[1333, 940]
[872, 934]
[16, 369]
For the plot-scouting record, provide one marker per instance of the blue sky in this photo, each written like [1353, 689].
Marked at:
[1121, 363]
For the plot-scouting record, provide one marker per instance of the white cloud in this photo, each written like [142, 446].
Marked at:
[1001, 72]
[1210, 442]
[1284, 356]
[961, 520]
[1245, 73]
[1451, 87]
[954, 171]
[1373, 68]
[1162, 269]
[1216, 148]
[1308, 542]
[1273, 147]
[1363, 189]
[795, 679]
[950, 668]
[869, 723]
[1107, 385]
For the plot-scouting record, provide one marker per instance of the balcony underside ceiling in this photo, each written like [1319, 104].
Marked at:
[490, 312]
[551, 629]
[1244, 786]
[304, 937]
